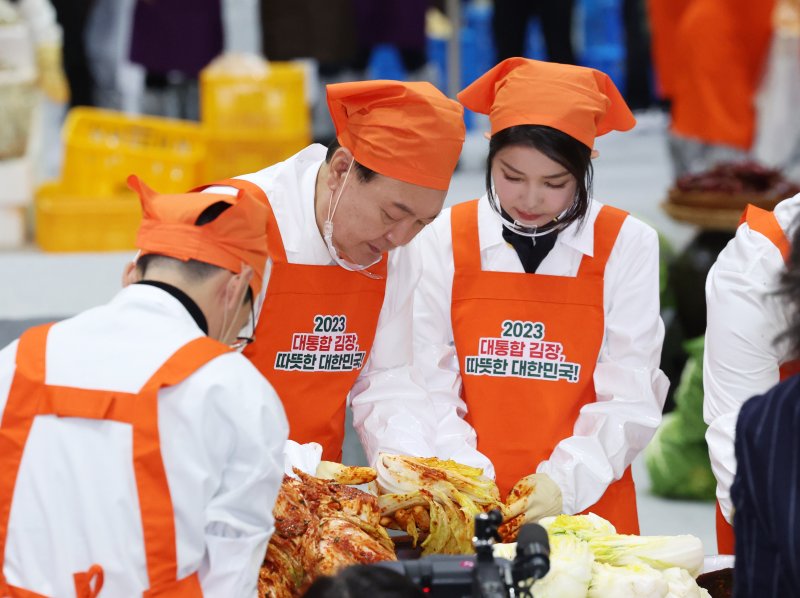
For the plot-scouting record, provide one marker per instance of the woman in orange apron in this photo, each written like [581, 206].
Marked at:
[537, 323]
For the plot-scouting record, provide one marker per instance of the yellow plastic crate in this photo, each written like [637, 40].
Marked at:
[270, 101]
[103, 147]
[70, 222]
[232, 154]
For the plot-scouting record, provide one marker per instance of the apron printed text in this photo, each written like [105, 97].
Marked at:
[522, 351]
[327, 348]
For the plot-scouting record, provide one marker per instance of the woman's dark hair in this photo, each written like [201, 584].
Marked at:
[358, 581]
[790, 291]
[559, 147]
[365, 175]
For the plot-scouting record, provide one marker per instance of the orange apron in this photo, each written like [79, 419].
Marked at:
[764, 222]
[313, 336]
[528, 346]
[30, 396]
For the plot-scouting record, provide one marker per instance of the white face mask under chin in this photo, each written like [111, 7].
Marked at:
[327, 234]
[525, 230]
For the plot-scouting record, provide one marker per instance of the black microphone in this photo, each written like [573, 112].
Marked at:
[532, 560]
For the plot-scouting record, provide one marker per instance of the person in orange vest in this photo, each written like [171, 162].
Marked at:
[537, 324]
[335, 310]
[722, 48]
[141, 455]
[743, 356]
[664, 17]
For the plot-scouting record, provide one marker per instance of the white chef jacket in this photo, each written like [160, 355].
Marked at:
[390, 410]
[222, 432]
[631, 389]
[742, 357]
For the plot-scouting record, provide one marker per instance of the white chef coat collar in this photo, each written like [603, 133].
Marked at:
[188, 303]
[580, 239]
[158, 301]
[310, 160]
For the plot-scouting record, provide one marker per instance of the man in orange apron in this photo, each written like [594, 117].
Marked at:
[742, 358]
[548, 369]
[334, 316]
[140, 455]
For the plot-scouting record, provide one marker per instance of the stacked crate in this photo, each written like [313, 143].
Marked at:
[91, 207]
[253, 116]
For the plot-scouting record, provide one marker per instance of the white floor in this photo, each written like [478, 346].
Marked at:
[632, 173]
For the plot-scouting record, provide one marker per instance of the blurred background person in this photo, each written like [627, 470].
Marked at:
[664, 17]
[510, 23]
[73, 16]
[173, 41]
[638, 64]
[107, 39]
[777, 141]
[399, 23]
[324, 31]
[720, 51]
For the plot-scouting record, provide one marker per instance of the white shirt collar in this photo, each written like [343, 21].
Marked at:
[307, 185]
[581, 239]
[156, 301]
[290, 187]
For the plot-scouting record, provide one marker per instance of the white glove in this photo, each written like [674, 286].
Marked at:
[535, 496]
[305, 457]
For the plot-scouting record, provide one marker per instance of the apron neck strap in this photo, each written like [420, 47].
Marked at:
[606, 230]
[464, 232]
[184, 362]
[764, 222]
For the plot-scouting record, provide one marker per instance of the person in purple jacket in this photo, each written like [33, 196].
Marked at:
[174, 41]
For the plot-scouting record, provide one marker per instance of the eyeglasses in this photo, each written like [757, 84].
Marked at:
[242, 341]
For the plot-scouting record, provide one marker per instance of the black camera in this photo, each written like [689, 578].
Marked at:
[482, 575]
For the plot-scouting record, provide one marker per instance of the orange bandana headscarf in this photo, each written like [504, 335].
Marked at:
[406, 131]
[581, 102]
[238, 235]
